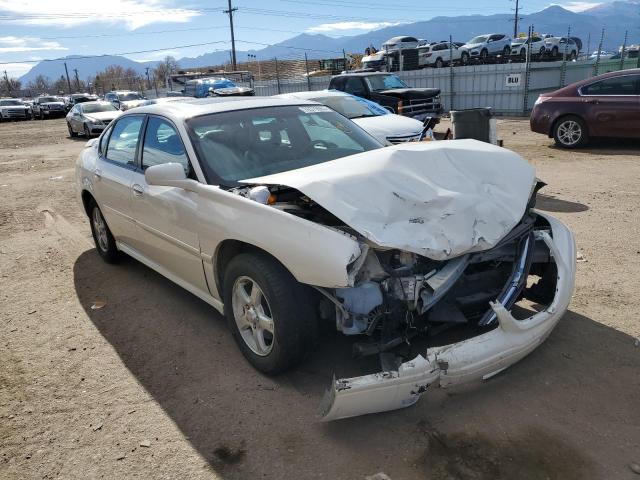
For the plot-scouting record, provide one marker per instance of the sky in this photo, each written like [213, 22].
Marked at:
[32, 30]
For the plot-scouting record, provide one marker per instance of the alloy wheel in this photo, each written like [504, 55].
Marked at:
[253, 316]
[100, 228]
[569, 133]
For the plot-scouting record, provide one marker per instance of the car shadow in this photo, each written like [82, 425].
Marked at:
[608, 146]
[550, 203]
[530, 422]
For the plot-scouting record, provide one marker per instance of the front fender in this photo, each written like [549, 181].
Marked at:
[314, 254]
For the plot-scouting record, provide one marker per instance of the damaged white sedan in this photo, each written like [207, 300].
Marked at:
[283, 214]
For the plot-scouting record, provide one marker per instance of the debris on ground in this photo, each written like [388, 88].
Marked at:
[96, 427]
[97, 305]
[120, 456]
[580, 257]
[635, 467]
[378, 476]
[145, 443]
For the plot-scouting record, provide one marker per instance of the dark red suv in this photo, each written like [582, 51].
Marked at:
[604, 106]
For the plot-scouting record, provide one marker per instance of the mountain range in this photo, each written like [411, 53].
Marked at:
[615, 17]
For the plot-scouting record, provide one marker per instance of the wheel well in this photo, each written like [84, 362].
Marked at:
[87, 198]
[229, 249]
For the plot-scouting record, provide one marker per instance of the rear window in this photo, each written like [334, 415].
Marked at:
[625, 85]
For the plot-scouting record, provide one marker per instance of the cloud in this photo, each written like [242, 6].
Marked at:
[132, 14]
[16, 69]
[332, 27]
[577, 6]
[13, 44]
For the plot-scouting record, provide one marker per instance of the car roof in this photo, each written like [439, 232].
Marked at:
[364, 74]
[204, 106]
[98, 102]
[314, 94]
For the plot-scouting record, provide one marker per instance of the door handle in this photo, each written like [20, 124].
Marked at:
[97, 173]
[138, 191]
[593, 101]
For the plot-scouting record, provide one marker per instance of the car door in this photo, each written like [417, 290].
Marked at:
[167, 217]
[613, 106]
[113, 175]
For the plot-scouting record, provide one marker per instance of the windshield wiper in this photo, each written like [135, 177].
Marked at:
[366, 115]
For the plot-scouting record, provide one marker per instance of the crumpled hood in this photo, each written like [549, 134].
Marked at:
[437, 199]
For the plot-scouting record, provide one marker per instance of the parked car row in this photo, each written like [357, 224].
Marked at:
[481, 48]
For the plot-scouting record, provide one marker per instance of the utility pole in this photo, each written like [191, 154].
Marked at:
[516, 19]
[233, 40]
[75, 70]
[68, 81]
[148, 81]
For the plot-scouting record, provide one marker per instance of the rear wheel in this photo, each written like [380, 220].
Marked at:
[506, 52]
[439, 63]
[542, 51]
[570, 132]
[269, 312]
[105, 243]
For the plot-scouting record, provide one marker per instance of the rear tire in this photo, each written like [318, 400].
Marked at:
[570, 132]
[275, 325]
[439, 63]
[506, 53]
[105, 243]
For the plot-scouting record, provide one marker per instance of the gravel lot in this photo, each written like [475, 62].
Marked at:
[153, 386]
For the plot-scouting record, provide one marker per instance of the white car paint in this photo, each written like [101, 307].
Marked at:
[520, 46]
[464, 199]
[178, 228]
[384, 126]
[439, 54]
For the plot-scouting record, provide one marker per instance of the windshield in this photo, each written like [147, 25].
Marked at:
[384, 82]
[350, 107]
[98, 107]
[244, 144]
[480, 39]
[6, 103]
[125, 97]
[49, 99]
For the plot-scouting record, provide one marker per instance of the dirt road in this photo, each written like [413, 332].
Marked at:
[152, 385]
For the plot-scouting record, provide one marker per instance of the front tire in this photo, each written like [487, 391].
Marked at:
[105, 243]
[72, 134]
[484, 55]
[439, 63]
[87, 132]
[269, 313]
[464, 58]
[570, 132]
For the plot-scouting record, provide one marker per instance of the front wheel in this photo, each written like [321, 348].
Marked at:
[570, 132]
[464, 58]
[71, 132]
[269, 312]
[87, 132]
[484, 54]
[506, 53]
[439, 63]
[105, 243]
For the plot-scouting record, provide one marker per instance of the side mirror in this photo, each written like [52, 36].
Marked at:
[169, 175]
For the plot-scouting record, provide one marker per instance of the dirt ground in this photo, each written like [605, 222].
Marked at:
[153, 386]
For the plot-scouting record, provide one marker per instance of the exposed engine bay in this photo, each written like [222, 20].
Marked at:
[399, 295]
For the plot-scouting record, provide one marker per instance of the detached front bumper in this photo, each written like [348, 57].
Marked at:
[476, 358]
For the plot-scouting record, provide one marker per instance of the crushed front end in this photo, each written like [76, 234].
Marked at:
[399, 298]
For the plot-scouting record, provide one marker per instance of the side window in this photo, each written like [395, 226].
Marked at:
[338, 83]
[123, 140]
[104, 139]
[354, 87]
[625, 85]
[162, 144]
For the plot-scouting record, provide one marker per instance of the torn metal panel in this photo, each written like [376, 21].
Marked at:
[473, 359]
[436, 199]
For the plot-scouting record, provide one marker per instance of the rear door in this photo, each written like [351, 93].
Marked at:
[613, 106]
[113, 175]
[167, 217]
